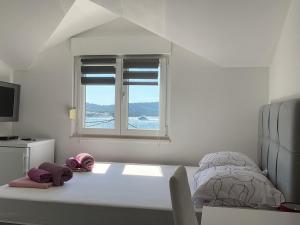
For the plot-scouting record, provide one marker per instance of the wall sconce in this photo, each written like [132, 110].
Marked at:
[72, 113]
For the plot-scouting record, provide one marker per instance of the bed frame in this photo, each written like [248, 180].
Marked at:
[279, 146]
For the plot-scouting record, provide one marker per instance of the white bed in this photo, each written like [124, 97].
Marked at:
[114, 193]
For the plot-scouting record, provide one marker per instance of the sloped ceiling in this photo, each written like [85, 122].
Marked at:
[116, 27]
[24, 28]
[227, 32]
[83, 15]
[31, 26]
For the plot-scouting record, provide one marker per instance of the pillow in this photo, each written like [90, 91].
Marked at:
[234, 186]
[227, 158]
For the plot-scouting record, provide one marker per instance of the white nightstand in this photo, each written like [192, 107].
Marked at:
[238, 216]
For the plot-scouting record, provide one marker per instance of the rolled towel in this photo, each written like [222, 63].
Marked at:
[72, 163]
[39, 175]
[86, 161]
[60, 174]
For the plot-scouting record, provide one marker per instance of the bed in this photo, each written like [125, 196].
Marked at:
[118, 193]
[111, 194]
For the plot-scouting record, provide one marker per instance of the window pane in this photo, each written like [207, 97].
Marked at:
[99, 106]
[143, 106]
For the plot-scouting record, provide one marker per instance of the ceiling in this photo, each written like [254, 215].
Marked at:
[24, 28]
[82, 16]
[31, 26]
[116, 27]
[231, 33]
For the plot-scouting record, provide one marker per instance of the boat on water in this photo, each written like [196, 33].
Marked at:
[142, 118]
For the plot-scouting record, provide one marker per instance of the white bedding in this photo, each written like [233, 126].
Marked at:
[115, 193]
[235, 186]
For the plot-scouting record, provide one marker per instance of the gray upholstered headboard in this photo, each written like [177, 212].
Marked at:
[279, 146]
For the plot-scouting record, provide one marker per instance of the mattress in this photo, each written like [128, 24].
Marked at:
[114, 193]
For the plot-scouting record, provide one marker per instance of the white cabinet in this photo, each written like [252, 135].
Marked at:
[17, 157]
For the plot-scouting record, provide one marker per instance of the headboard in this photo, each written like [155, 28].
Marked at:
[279, 146]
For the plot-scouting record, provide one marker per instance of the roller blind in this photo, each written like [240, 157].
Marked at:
[140, 71]
[98, 70]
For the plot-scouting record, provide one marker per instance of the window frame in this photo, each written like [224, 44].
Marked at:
[121, 104]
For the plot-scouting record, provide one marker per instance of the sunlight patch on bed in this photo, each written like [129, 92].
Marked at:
[101, 168]
[143, 170]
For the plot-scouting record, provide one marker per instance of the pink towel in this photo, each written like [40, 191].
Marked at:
[60, 174]
[40, 176]
[25, 182]
[72, 163]
[86, 161]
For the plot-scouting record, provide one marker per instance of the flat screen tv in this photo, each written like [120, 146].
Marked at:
[9, 101]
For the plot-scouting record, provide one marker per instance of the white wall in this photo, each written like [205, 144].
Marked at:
[119, 37]
[212, 109]
[6, 75]
[285, 69]
[46, 96]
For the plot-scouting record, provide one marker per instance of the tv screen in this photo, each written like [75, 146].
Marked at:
[9, 101]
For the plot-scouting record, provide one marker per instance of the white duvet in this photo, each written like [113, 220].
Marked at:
[234, 186]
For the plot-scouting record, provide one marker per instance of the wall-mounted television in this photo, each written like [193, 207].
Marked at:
[9, 101]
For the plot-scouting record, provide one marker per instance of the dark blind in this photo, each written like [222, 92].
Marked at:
[141, 62]
[93, 66]
[143, 69]
[98, 69]
[97, 61]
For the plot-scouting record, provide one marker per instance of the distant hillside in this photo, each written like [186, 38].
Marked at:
[135, 109]
[99, 108]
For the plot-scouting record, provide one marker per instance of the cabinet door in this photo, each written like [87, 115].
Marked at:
[13, 163]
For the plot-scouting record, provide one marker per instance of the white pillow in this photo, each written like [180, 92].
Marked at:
[227, 158]
[234, 186]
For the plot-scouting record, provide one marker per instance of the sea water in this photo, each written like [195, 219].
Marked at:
[108, 122]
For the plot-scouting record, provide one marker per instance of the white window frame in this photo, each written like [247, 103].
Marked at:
[121, 105]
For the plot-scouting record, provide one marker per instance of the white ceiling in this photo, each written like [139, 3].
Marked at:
[82, 16]
[31, 26]
[116, 27]
[227, 32]
[24, 28]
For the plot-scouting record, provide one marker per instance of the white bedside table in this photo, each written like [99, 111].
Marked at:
[238, 216]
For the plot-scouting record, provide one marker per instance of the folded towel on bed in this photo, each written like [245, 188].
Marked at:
[60, 174]
[39, 175]
[86, 161]
[25, 182]
[72, 163]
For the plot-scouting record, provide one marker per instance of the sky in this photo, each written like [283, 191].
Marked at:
[105, 95]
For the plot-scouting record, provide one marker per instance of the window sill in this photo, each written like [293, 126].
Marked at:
[121, 138]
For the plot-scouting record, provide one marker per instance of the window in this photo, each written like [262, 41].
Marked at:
[123, 96]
